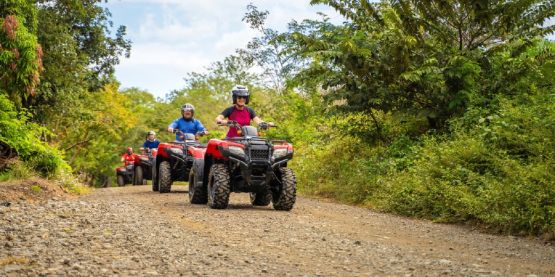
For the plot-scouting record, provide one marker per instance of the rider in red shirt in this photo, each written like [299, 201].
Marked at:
[128, 157]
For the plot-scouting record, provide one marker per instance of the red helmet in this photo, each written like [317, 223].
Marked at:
[129, 150]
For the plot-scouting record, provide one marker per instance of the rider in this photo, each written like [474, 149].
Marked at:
[239, 111]
[151, 141]
[187, 123]
[128, 157]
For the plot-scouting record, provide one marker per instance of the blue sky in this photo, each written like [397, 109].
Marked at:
[173, 37]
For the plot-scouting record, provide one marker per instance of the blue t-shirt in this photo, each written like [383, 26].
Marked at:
[191, 126]
[151, 144]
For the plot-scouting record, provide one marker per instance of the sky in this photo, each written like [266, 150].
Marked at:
[173, 37]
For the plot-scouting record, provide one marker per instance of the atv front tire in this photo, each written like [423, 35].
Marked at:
[285, 197]
[138, 176]
[164, 177]
[218, 187]
[197, 191]
[121, 181]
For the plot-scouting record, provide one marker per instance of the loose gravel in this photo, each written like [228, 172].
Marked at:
[131, 231]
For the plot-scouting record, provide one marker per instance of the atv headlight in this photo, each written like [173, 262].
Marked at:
[237, 151]
[279, 153]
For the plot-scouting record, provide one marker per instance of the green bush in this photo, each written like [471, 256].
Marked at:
[22, 135]
[495, 167]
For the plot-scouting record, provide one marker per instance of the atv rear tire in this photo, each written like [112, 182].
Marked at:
[121, 181]
[285, 197]
[138, 176]
[218, 187]
[197, 191]
[164, 177]
[261, 198]
[154, 177]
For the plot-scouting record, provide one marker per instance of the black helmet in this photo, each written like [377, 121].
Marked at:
[240, 91]
[151, 133]
[188, 108]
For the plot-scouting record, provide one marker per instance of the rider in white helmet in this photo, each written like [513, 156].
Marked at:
[187, 123]
[151, 142]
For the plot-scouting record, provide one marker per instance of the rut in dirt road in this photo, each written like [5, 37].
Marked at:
[133, 231]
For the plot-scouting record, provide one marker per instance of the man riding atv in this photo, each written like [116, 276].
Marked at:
[128, 157]
[126, 173]
[187, 124]
[173, 160]
[239, 112]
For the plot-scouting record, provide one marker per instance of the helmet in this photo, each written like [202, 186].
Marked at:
[151, 133]
[188, 108]
[129, 150]
[240, 91]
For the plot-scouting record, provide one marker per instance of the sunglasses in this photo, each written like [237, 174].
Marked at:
[241, 97]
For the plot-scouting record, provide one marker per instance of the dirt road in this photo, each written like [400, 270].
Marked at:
[133, 231]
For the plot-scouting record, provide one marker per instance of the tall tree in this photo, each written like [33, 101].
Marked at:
[80, 52]
[424, 57]
[20, 53]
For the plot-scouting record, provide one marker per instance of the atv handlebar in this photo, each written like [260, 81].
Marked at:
[183, 135]
[233, 123]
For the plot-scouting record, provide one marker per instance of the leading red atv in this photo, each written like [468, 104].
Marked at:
[173, 161]
[248, 163]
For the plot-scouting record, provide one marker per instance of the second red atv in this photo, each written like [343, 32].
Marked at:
[248, 163]
[173, 161]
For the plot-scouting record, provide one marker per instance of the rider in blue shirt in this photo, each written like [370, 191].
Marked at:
[151, 142]
[187, 123]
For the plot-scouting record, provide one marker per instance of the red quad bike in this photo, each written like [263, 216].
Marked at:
[126, 174]
[244, 164]
[174, 160]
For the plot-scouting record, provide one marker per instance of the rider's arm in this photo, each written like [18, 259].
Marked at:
[257, 120]
[221, 119]
[173, 125]
[254, 117]
[200, 127]
[225, 114]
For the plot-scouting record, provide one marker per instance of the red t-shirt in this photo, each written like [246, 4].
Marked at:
[243, 117]
[127, 159]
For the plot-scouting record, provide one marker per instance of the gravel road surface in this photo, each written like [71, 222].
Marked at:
[133, 231]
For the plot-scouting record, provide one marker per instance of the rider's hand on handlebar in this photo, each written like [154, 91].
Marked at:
[170, 130]
[221, 122]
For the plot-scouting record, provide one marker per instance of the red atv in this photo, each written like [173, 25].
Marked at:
[245, 164]
[126, 174]
[173, 161]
